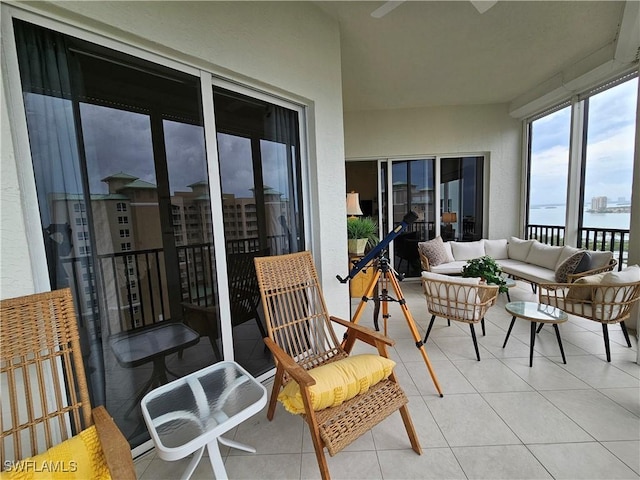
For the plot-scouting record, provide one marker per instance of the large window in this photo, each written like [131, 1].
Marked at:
[581, 170]
[549, 168]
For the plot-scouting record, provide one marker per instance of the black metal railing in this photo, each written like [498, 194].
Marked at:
[133, 285]
[615, 240]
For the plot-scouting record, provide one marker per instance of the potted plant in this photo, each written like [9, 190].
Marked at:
[487, 269]
[362, 232]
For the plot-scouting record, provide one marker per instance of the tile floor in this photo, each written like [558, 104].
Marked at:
[498, 418]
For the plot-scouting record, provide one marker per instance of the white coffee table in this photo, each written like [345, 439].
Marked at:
[192, 412]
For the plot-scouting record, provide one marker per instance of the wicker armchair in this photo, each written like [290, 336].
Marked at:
[45, 399]
[458, 299]
[301, 338]
[603, 303]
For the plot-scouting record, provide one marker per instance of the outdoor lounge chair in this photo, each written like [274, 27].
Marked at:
[45, 400]
[304, 344]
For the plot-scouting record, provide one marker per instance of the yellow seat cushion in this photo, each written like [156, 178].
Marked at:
[338, 382]
[80, 457]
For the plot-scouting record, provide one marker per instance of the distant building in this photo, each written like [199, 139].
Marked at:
[598, 203]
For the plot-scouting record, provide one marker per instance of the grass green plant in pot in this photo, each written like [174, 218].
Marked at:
[487, 269]
[362, 232]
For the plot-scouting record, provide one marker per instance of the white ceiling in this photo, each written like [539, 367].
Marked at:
[429, 53]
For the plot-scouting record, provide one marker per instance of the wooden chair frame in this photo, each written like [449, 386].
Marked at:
[606, 304]
[460, 302]
[47, 394]
[301, 337]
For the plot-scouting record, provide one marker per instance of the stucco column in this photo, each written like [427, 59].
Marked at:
[634, 229]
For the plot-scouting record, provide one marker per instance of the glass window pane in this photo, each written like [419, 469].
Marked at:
[548, 169]
[609, 157]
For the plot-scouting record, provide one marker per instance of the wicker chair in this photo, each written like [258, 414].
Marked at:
[44, 384]
[458, 299]
[603, 303]
[301, 338]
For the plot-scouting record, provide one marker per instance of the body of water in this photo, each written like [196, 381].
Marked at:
[555, 215]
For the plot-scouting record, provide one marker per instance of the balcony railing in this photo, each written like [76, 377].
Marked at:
[133, 285]
[615, 240]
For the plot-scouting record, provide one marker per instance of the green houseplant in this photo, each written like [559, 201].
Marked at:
[362, 232]
[487, 269]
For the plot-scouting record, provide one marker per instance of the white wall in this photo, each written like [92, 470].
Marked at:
[287, 48]
[450, 130]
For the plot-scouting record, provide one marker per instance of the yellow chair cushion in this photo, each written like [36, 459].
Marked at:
[338, 382]
[80, 457]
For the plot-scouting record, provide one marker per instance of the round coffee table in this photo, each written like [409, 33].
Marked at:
[536, 313]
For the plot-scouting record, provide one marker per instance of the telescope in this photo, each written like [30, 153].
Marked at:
[408, 219]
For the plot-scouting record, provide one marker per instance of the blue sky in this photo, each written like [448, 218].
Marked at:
[610, 143]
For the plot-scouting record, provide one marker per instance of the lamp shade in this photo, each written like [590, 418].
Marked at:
[449, 217]
[353, 204]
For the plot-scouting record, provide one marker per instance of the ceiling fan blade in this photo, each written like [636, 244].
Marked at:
[483, 5]
[386, 8]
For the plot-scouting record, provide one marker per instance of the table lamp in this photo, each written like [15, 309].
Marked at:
[353, 204]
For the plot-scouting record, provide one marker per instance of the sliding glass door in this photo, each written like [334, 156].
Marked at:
[461, 198]
[122, 179]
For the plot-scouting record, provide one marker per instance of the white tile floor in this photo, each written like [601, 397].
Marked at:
[498, 418]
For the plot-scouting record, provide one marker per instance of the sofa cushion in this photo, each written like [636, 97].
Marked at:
[599, 259]
[467, 250]
[447, 248]
[530, 272]
[450, 268]
[581, 288]
[434, 250]
[518, 248]
[568, 266]
[543, 255]
[496, 249]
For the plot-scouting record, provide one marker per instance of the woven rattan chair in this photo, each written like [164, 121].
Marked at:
[301, 338]
[45, 399]
[603, 303]
[458, 299]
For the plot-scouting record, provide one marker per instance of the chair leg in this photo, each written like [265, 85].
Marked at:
[319, 449]
[275, 390]
[605, 332]
[433, 317]
[408, 425]
[475, 341]
[626, 334]
[483, 331]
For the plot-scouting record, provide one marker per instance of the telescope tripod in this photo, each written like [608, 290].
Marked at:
[382, 278]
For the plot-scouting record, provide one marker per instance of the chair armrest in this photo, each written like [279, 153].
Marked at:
[289, 365]
[116, 449]
[424, 262]
[572, 277]
[364, 333]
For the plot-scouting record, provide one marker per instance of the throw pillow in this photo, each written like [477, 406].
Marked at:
[518, 248]
[337, 382]
[81, 456]
[434, 250]
[580, 290]
[467, 250]
[496, 249]
[568, 266]
[585, 263]
[567, 251]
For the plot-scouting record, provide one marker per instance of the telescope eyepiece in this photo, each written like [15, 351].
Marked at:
[410, 217]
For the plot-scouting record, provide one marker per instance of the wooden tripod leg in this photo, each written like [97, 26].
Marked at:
[347, 344]
[412, 327]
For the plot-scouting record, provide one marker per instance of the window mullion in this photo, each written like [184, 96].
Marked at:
[576, 154]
